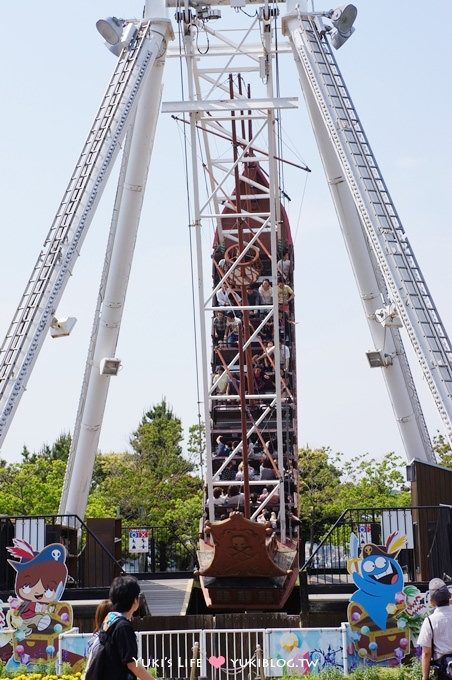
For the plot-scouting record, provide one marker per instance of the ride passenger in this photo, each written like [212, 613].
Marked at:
[285, 295]
[219, 327]
[231, 334]
[240, 472]
[284, 265]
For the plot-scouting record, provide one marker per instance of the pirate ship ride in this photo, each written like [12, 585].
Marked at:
[248, 555]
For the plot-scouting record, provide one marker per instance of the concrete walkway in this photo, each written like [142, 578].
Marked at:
[167, 597]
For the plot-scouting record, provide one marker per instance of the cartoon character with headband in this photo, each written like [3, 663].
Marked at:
[36, 614]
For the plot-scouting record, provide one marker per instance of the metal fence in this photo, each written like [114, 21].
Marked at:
[94, 558]
[97, 550]
[230, 653]
[156, 549]
[89, 562]
[213, 653]
[427, 552]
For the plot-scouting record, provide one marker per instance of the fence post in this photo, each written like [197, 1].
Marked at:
[260, 665]
[194, 660]
[304, 595]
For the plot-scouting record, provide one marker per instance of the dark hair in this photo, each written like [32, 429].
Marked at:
[441, 596]
[123, 592]
[102, 610]
[217, 492]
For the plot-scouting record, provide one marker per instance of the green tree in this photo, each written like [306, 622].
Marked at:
[34, 485]
[318, 482]
[31, 488]
[329, 485]
[369, 483]
[196, 447]
[443, 450]
[58, 451]
[154, 480]
[158, 442]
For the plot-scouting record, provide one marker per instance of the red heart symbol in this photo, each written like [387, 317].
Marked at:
[217, 661]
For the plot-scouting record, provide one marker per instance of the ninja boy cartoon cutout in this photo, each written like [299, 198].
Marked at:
[375, 607]
[36, 614]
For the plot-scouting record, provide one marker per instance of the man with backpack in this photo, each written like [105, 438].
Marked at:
[435, 636]
[116, 655]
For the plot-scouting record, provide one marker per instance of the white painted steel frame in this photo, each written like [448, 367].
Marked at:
[261, 110]
[126, 218]
[61, 249]
[356, 220]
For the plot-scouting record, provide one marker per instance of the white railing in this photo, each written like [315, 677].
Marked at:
[233, 654]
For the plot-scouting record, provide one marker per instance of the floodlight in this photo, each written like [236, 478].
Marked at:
[342, 19]
[377, 359]
[109, 366]
[59, 328]
[110, 29]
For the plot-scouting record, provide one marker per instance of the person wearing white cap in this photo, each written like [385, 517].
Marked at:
[435, 636]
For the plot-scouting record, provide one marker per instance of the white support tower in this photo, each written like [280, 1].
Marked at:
[102, 363]
[62, 245]
[386, 270]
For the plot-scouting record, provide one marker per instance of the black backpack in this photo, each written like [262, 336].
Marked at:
[96, 660]
[443, 666]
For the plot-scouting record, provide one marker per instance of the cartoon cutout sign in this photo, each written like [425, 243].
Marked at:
[375, 607]
[36, 614]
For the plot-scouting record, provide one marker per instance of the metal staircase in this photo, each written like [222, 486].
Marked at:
[54, 265]
[382, 226]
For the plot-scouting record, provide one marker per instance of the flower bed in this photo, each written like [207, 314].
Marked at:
[40, 676]
[44, 673]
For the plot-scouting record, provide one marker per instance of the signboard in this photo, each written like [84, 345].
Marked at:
[364, 534]
[138, 540]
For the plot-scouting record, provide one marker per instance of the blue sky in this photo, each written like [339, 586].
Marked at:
[55, 69]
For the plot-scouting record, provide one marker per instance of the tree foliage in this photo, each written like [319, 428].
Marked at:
[329, 485]
[319, 480]
[369, 483]
[157, 483]
[58, 451]
[31, 488]
[196, 447]
[154, 484]
[443, 450]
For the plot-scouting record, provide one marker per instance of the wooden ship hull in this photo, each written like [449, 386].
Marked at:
[248, 551]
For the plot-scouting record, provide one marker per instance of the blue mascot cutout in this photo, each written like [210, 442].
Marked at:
[376, 605]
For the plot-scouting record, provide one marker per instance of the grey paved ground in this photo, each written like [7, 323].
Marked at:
[167, 597]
